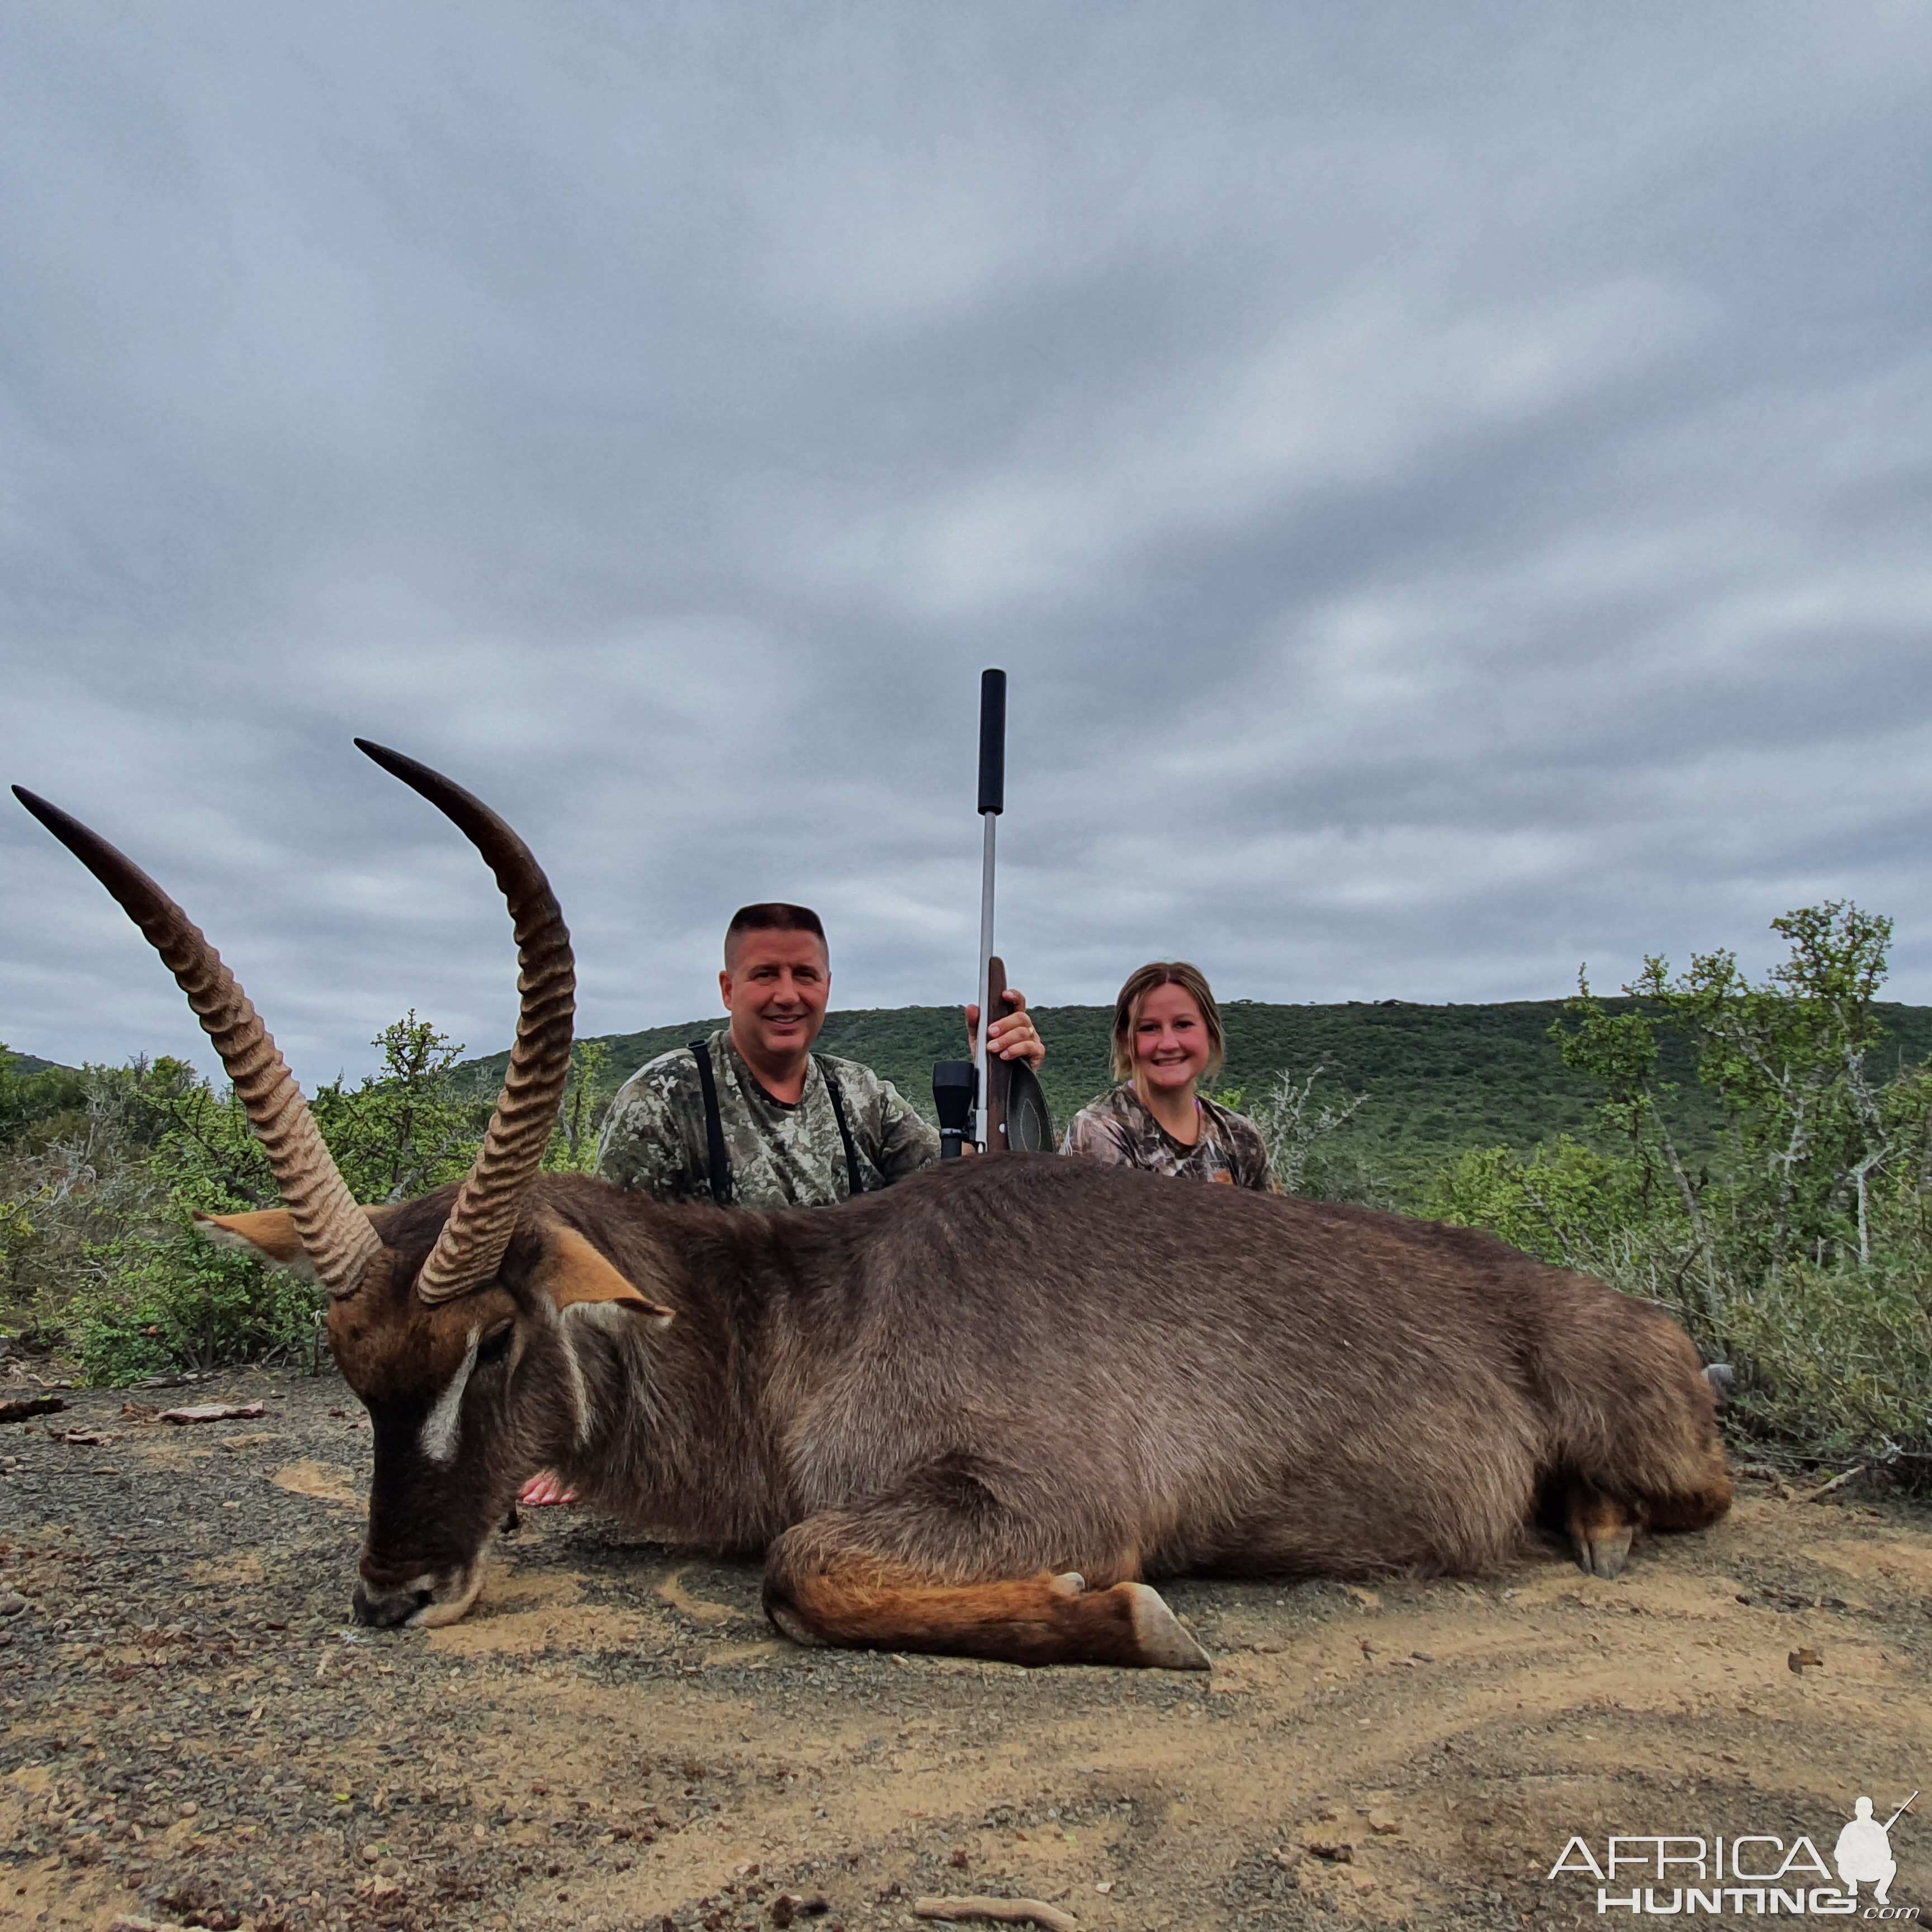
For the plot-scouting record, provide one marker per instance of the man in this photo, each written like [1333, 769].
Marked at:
[790, 1129]
[795, 1129]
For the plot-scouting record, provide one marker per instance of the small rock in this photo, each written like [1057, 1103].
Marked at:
[12, 1604]
[1797, 1663]
[370, 1854]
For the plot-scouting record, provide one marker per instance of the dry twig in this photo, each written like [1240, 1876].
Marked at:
[1818, 1496]
[998, 1912]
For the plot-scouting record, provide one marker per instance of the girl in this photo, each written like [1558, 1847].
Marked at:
[1167, 1036]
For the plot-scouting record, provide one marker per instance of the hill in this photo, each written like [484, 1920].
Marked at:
[25, 1066]
[1438, 1079]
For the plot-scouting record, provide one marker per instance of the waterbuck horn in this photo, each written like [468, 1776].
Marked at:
[470, 1247]
[335, 1233]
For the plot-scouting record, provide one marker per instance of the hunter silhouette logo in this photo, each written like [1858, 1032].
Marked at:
[1754, 1873]
[1863, 1853]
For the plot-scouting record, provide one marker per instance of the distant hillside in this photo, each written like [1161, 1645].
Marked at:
[1439, 1079]
[25, 1065]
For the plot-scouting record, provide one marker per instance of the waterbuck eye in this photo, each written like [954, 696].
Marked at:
[495, 1345]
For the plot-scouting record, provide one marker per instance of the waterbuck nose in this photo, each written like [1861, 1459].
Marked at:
[384, 1610]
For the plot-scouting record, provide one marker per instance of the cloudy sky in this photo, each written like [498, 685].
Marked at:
[1451, 487]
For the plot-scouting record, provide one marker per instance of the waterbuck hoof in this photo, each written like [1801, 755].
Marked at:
[790, 1624]
[1164, 1645]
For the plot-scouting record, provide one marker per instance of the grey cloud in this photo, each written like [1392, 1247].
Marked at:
[1451, 491]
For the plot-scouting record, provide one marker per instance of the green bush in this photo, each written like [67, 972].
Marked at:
[1801, 1252]
[177, 1302]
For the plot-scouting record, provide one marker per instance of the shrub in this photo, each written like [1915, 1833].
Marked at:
[1805, 1260]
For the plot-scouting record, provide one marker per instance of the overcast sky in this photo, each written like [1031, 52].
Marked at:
[1451, 487]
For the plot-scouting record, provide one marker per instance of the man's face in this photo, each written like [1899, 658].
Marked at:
[775, 986]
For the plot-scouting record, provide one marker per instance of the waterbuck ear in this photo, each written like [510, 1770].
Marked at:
[270, 1234]
[572, 1271]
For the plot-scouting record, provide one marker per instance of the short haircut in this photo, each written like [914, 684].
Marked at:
[1193, 982]
[773, 917]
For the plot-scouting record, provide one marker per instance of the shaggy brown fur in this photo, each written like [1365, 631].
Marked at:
[971, 1413]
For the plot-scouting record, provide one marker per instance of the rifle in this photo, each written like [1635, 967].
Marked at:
[1008, 1111]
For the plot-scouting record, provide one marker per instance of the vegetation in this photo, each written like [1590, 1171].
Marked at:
[102, 1170]
[1757, 1157]
[1800, 1251]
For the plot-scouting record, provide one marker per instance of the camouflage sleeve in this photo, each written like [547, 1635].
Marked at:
[1096, 1136]
[905, 1142]
[642, 1143]
[1252, 1168]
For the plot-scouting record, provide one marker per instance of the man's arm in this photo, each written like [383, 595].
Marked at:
[906, 1143]
[1011, 1038]
[642, 1143]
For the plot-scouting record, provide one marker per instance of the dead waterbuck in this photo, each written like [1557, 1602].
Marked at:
[973, 1414]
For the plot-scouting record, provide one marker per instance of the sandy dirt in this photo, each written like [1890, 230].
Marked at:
[615, 1737]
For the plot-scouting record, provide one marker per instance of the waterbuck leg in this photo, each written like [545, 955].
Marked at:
[1600, 1529]
[962, 1558]
[1042, 1619]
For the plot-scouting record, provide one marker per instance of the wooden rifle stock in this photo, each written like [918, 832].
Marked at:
[999, 1073]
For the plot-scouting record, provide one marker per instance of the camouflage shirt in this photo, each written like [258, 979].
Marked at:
[780, 1155]
[1118, 1127]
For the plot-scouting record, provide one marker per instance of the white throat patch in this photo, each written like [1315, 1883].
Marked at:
[439, 1427]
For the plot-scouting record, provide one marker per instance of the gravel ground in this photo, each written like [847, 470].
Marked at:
[615, 1739]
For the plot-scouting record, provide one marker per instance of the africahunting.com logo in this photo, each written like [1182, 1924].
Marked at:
[1752, 1873]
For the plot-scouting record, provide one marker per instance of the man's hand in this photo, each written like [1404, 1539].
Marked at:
[1011, 1038]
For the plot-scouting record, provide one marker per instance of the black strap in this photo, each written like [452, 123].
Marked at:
[714, 1126]
[854, 1184]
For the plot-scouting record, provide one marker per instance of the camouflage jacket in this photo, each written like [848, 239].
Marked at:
[779, 1156]
[1119, 1128]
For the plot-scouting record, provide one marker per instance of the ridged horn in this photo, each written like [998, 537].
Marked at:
[335, 1233]
[470, 1250]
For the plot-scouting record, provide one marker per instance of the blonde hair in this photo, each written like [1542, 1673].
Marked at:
[1193, 982]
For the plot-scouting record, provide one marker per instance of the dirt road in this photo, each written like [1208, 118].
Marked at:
[615, 1739]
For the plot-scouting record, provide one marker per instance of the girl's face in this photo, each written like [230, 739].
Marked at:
[1170, 1043]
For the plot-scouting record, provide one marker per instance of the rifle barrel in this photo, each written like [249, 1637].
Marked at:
[982, 1093]
[992, 802]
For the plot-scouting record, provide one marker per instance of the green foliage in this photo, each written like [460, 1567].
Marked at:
[1800, 1249]
[35, 1097]
[1566, 1203]
[96, 1214]
[413, 1127]
[587, 1099]
[169, 1300]
[1304, 1137]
